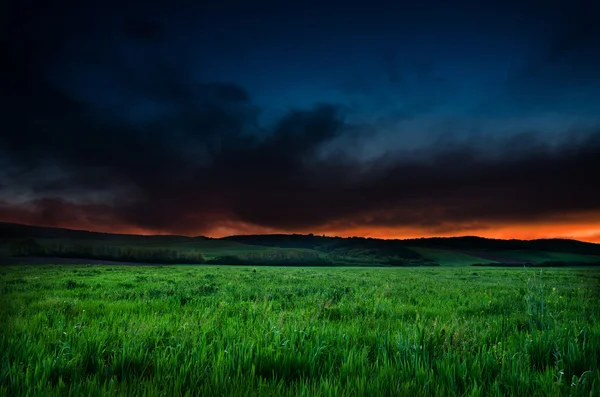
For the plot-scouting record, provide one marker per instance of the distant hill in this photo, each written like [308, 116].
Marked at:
[16, 230]
[292, 249]
[334, 245]
[480, 243]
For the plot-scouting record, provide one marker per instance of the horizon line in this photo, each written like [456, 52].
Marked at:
[291, 234]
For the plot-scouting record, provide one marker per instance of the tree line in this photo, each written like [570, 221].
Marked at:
[274, 257]
[31, 248]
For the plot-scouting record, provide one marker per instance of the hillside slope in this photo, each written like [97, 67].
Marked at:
[296, 249]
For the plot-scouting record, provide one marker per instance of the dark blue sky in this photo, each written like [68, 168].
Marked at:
[212, 84]
[405, 74]
[393, 65]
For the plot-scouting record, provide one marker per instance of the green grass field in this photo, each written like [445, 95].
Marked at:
[238, 331]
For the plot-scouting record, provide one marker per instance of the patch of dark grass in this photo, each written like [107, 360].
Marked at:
[71, 284]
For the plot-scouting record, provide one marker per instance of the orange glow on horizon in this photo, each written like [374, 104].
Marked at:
[585, 228]
[576, 230]
[519, 232]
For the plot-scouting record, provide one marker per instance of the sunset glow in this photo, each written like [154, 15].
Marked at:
[402, 123]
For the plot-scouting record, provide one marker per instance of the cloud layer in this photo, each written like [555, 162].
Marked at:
[204, 164]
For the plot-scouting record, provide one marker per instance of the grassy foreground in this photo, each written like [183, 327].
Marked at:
[235, 331]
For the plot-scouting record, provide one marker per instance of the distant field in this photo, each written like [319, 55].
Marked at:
[450, 258]
[226, 252]
[469, 257]
[211, 248]
[537, 256]
[229, 331]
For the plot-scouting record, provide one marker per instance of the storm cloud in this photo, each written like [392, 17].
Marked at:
[201, 157]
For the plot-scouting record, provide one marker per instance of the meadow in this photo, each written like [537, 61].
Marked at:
[309, 331]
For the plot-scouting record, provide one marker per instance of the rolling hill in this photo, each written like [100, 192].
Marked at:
[20, 243]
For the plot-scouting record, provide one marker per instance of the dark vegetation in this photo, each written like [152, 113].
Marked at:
[468, 243]
[334, 245]
[31, 248]
[275, 257]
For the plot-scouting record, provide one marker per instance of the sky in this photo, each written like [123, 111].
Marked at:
[379, 119]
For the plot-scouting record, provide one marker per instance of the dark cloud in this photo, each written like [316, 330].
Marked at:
[56, 212]
[199, 167]
[206, 160]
